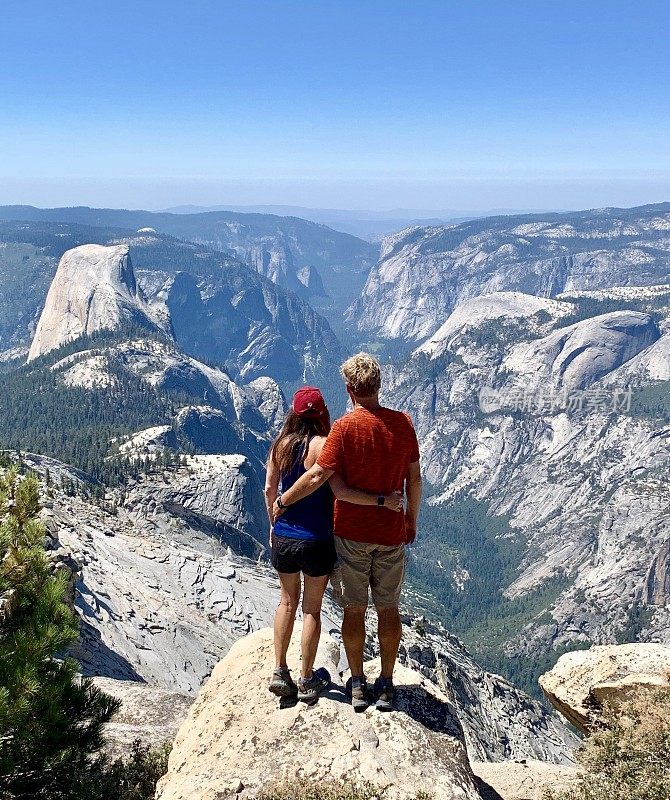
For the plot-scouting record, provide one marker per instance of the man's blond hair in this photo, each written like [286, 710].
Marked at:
[362, 374]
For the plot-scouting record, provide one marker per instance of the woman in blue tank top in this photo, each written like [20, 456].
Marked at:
[302, 539]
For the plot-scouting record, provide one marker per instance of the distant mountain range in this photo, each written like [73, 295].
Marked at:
[370, 225]
[310, 259]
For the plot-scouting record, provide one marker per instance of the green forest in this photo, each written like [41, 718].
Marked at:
[462, 539]
[39, 413]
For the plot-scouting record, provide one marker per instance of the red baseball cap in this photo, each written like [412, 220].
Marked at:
[309, 402]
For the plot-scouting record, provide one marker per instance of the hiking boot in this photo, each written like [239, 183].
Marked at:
[385, 693]
[357, 692]
[282, 684]
[309, 689]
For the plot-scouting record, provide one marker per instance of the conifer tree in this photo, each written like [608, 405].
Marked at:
[50, 720]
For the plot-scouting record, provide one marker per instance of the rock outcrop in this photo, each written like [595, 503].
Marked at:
[582, 681]
[499, 721]
[94, 288]
[578, 355]
[480, 311]
[235, 740]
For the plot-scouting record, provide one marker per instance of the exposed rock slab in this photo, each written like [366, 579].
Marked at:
[236, 739]
[578, 355]
[582, 681]
[148, 714]
[480, 310]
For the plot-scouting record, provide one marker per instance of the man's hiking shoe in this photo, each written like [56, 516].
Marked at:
[310, 689]
[385, 693]
[357, 692]
[282, 684]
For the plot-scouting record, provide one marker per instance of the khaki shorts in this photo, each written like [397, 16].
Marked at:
[375, 566]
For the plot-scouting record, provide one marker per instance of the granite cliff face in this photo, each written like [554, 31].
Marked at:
[520, 413]
[249, 325]
[424, 273]
[94, 288]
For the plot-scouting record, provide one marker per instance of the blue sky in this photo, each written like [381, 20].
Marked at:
[424, 104]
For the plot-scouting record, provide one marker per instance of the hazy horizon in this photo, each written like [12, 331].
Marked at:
[346, 106]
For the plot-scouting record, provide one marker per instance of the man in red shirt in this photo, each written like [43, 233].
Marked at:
[373, 449]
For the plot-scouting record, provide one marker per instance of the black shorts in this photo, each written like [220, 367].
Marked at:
[299, 555]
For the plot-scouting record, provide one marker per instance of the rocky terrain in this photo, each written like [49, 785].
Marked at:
[225, 417]
[94, 288]
[172, 569]
[424, 273]
[534, 357]
[235, 741]
[583, 682]
[499, 721]
[529, 415]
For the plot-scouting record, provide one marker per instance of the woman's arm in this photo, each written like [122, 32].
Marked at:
[393, 501]
[271, 485]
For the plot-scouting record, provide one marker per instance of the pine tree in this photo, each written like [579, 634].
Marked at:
[50, 720]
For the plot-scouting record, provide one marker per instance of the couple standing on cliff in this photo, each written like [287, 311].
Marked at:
[369, 460]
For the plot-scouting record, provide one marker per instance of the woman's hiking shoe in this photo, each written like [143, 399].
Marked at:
[385, 693]
[282, 684]
[357, 692]
[309, 689]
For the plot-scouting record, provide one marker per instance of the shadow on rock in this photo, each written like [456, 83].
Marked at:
[423, 707]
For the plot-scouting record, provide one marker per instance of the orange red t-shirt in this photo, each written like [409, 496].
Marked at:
[371, 449]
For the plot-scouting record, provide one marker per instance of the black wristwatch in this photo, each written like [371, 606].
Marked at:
[381, 500]
[279, 502]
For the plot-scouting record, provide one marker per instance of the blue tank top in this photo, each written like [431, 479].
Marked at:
[310, 518]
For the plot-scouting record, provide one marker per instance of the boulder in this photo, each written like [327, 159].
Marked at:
[582, 681]
[236, 739]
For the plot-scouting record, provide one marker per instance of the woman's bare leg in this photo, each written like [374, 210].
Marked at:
[312, 599]
[289, 583]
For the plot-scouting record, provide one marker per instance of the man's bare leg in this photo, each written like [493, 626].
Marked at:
[353, 636]
[285, 615]
[389, 630]
[312, 599]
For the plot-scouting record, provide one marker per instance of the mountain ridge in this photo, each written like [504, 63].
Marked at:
[423, 273]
